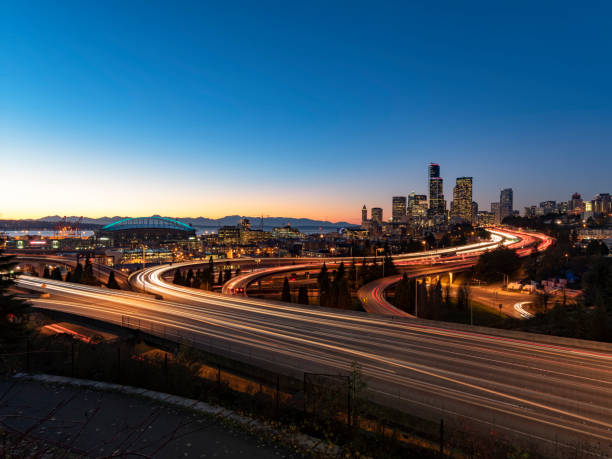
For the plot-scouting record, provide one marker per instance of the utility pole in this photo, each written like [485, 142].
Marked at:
[416, 297]
[471, 305]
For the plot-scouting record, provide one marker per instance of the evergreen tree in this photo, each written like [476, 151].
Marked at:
[77, 274]
[352, 275]
[189, 278]
[211, 265]
[341, 271]
[324, 286]
[46, 273]
[343, 295]
[220, 277]
[12, 309]
[390, 269]
[228, 275]
[178, 278]
[112, 282]
[402, 298]
[237, 273]
[88, 277]
[68, 277]
[286, 295]
[435, 300]
[302, 295]
[56, 274]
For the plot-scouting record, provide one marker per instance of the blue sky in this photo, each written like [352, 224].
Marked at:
[298, 109]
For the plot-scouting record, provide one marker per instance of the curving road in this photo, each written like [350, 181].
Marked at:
[372, 295]
[541, 392]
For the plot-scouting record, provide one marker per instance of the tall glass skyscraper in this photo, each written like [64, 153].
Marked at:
[436, 191]
[399, 208]
[506, 203]
[462, 199]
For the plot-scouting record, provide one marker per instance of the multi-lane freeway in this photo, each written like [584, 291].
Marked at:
[372, 295]
[553, 394]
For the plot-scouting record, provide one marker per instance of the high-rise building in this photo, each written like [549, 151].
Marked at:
[486, 218]
[462, 199]
[575, 206]
[548, 207]
[364, 214]
[377, 215]
[437, 205]
[602, 204]
[495, 211]
[474, 212]
[398, 211]
[506, 203]
[417, 205]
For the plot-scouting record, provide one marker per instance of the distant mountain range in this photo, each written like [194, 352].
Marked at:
[229, 220]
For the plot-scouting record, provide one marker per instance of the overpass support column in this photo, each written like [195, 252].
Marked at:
[450, 278]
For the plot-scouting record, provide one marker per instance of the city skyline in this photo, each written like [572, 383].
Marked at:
[300, 124]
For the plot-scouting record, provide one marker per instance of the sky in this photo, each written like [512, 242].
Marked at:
[298, 109]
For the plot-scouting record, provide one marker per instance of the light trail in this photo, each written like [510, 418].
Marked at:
[372, 295]
[559, 391]
[519, 308]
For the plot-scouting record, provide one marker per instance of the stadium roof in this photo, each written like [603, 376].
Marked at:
[147, 223]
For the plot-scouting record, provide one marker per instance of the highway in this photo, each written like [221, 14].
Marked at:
[550, 395]
[372, 295]
[238, 285]
[100, 271]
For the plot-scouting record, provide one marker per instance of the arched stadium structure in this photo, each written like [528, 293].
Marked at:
[150, 230]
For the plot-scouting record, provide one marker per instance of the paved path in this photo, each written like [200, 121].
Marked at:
[102, 424]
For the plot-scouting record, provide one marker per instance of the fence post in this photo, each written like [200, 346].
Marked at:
[118, 365]
[277, 394]
[304, 392]
[441, 437]
[72, 358]
[348, 404]
[166, 370]
[28, 355]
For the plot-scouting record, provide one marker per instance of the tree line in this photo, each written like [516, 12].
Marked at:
[205, 278]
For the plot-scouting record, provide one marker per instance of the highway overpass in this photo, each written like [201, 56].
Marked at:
[538, 391]
[372, 295]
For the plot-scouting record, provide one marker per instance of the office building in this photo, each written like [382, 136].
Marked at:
[506, 203]
[495, 211]
[485, 218]
[575, 205]
[364, 214]
[417, 205]
[602, 204]
[437, 205]
[548, 207]
[377, 215]
[462, 199]
[398, 211]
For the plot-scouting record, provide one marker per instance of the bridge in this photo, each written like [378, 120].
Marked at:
[100, 271]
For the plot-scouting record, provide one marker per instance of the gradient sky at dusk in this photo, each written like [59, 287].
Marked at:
[298, 109]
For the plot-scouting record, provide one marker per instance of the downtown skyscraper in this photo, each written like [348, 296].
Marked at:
[398, 211]
[462, 199]
[506, 203]
[437, 206]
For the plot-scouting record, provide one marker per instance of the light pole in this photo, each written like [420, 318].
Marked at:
[416, 297]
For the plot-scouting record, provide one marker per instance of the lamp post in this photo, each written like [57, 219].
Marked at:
[416, 297]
